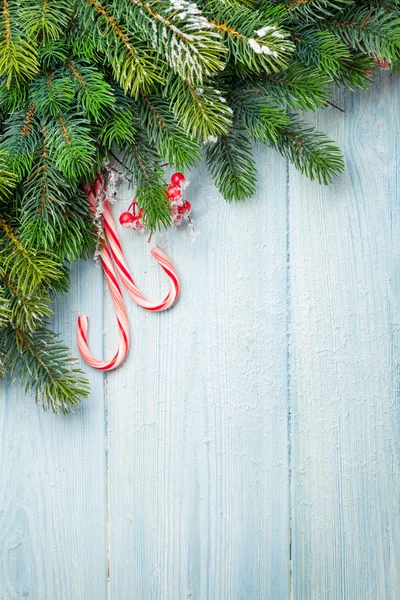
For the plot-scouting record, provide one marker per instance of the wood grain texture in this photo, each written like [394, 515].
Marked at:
[344, 250]
[248, 449]
[52, 493]
[198, 413]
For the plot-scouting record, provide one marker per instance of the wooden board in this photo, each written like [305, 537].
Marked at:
[248, 449]
[52, 473]
[198, 413]
[344, 249]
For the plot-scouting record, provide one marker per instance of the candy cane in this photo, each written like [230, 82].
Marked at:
[119, 305]
[125, 276]
[114, 250]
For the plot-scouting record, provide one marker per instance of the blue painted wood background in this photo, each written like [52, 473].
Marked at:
[248, 449]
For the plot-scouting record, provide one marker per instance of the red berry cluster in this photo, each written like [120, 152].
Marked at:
[179, 208]
[133, 217]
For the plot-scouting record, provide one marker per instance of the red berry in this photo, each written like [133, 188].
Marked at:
[138, 224]
[176, 220]
[177, 179]
[173, 192]
[174, 209]
[183, 209]
[126, 219]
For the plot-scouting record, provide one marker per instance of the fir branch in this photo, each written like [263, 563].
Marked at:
[18, 58]
[94, 94]
[142, 162]
[133, 63]
[119, 128]
[45, 366]
[260, 117]
[7, 177]
[23, 311]
[178, 30]
[256, 42]
[364, 30]
[324, 51]
[5, 315]
[21, 134]
[12, 99]
[231, 164]
[316, 9]
[171, 141]
[70, 141]
[53, 54]
[355, 71]
[200, 111]
[321, 49]
[27, 268]
[310, 151]
[52, 93]
[299, 87]
[46, 20]
[54, 215]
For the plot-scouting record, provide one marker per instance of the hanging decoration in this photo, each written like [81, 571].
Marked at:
[180, 209]
[114, 264]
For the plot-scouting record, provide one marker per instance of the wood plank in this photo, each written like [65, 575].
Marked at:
[344, 249]
[198, 413]
[52, 496]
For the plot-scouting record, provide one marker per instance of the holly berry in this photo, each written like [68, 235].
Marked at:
[183, 209]
[173, 192]
[175, 209]
[137, 224]
[126, 219]
[177, 179]
[176, 220]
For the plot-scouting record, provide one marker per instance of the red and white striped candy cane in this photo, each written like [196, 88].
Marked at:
[114, 250]
[122, 320]
[119, 305]
[123, 272]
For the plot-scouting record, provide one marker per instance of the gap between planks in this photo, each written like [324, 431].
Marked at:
[288, 379]
[107, 446]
